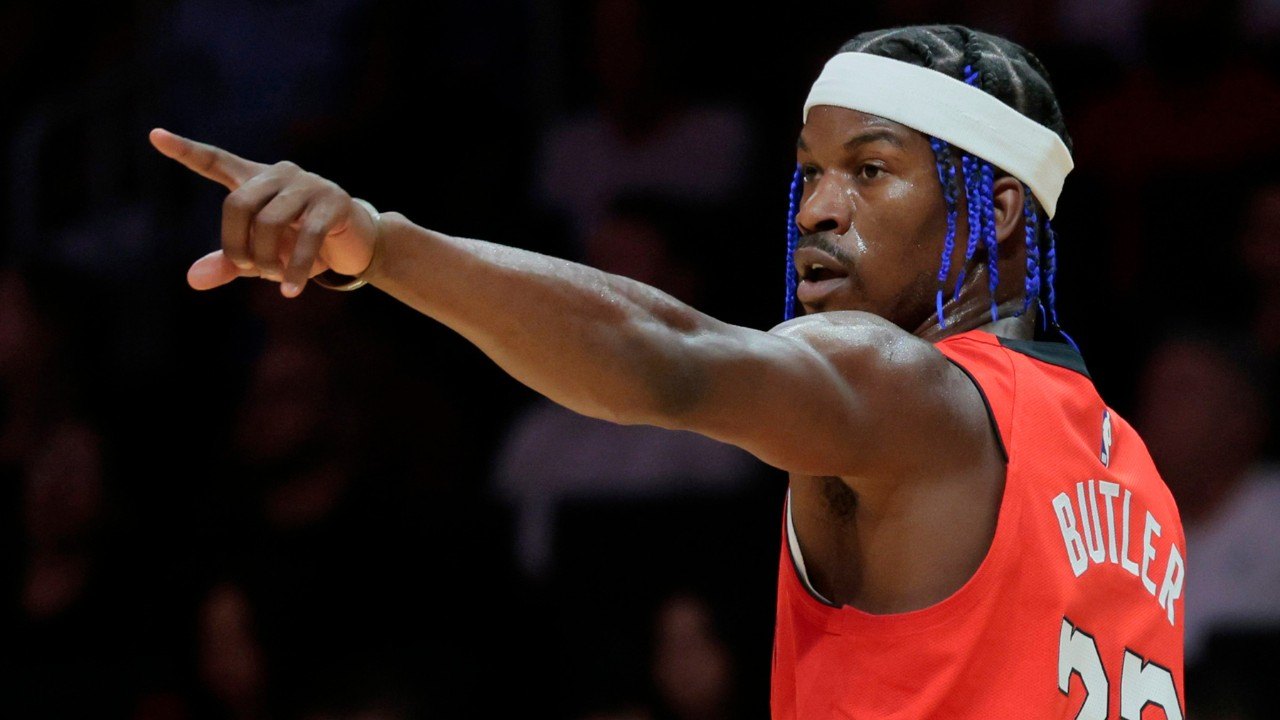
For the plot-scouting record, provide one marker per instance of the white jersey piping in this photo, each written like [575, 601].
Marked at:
[796, 557]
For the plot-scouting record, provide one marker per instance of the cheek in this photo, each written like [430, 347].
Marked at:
[916, 223]
[930, 232]
[897, 236]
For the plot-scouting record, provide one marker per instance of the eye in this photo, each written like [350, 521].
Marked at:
[870, 172]
[805, 170]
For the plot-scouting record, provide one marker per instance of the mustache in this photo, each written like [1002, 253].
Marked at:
[824, 242]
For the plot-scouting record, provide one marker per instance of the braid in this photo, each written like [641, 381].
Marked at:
[1030, 221]
[1053, 269]
[946, 176]
[793, 236]
[969, 166]
[985, 192]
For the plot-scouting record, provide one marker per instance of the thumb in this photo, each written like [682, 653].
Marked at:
[213, 270]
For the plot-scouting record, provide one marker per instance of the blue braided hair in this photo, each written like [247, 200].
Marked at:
[793, 236]
[1053, 269]
[946, 176]
[1030, 219]
[970, 170]
[986, 191]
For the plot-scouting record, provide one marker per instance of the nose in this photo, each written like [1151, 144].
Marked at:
[825, 206]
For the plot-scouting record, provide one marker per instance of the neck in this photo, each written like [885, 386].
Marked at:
[971, 308]
[974, 312]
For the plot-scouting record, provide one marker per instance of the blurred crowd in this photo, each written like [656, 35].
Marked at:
[227, 504]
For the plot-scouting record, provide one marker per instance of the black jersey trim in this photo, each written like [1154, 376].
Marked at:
[1054, 353]
[991, 415]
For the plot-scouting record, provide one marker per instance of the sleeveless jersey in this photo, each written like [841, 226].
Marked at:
[1076, 611]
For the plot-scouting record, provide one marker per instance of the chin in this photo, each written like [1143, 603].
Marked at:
[835, 306]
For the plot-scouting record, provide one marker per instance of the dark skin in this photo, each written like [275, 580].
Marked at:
[894, 544]
[895, 472]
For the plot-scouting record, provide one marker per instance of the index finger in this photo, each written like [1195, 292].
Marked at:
[209, 161]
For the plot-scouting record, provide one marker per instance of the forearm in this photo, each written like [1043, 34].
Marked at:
[600, 344]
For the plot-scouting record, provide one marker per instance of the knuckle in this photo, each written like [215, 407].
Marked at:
[324, 187]
[268, 222]
[287, 166]
[237, 202]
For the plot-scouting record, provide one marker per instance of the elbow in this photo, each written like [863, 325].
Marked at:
[675, 383]
[676, 393]
[647, 378]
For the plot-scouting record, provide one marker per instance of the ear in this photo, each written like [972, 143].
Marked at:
[1007, 198]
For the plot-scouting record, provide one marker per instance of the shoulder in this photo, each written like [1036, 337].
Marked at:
[929, 407]
[856, 335]
[856, 340]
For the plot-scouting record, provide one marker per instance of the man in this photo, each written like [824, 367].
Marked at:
[969, 531]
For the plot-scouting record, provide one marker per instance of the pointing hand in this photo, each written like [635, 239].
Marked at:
[279, 222]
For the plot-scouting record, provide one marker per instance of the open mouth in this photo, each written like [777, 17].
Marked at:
[819, 274]
[816, 272]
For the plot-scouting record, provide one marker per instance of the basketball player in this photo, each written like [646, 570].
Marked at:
[970, 532]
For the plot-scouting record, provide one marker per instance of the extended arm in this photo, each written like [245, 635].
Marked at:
[840, 393]
[832, 394]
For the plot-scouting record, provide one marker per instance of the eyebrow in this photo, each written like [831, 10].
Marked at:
[862, 139]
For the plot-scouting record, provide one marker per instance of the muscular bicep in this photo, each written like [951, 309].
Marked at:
[845, 394]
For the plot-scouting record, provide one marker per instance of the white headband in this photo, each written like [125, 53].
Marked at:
[946, 108]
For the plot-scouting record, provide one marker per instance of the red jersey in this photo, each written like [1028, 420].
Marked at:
[1075, 612]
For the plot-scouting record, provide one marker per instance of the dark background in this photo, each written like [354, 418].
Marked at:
[230, 504]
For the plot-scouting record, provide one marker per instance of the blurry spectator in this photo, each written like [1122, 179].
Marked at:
[68, 618]
[74, 649]
[640, 134]
[63, 509]
[551, 454]
[34, 385]
[231, 661]
[326, 525]
[686, 666]
[1203, 415]
[279, 512]
[291, 481]
[693, 668]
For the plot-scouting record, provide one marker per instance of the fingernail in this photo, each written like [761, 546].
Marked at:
[243, 264]
[291, 289]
